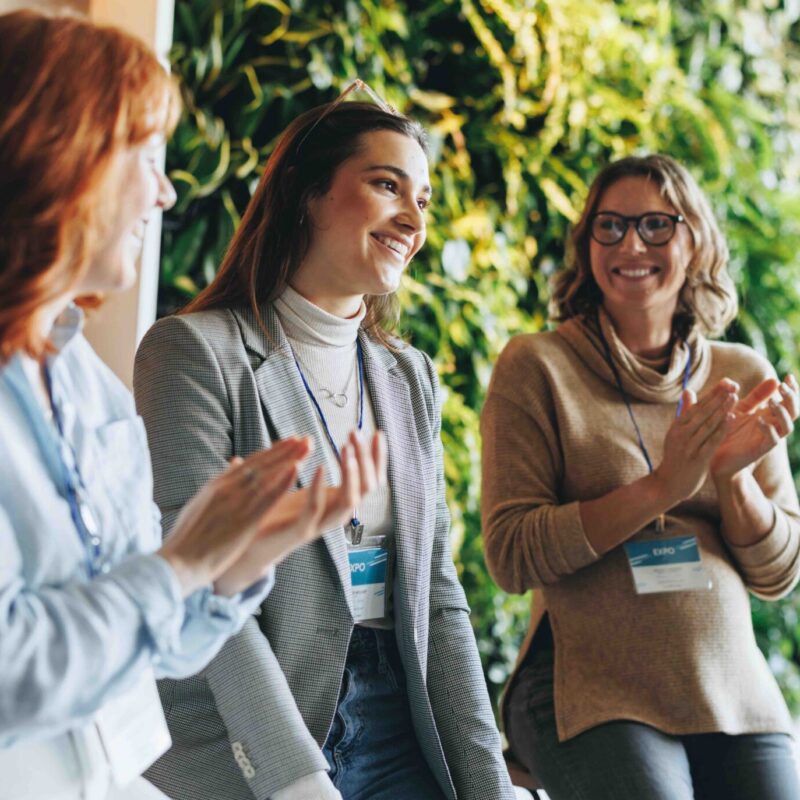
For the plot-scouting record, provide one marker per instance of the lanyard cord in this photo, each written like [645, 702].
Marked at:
[360, 356]
[626, 400]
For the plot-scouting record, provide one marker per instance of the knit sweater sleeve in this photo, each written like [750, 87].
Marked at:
[771, 567]
[531, 538]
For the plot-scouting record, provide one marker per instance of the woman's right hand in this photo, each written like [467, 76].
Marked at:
[223, 519]
[692, 440]
[298, 517]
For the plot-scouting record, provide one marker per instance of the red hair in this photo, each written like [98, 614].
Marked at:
[72, 96]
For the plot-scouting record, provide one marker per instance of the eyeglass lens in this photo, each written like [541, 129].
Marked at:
[655, 228]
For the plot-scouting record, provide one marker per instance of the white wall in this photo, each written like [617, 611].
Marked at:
[117, 327]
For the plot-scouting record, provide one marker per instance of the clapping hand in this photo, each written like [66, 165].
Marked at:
[761, 420]
[299, 517]
[693, 438]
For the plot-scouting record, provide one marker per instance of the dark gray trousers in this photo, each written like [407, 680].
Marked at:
[630, 761]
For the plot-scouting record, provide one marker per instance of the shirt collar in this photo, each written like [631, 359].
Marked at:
[68, 324]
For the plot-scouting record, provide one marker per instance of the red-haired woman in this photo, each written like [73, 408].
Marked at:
[90, 607]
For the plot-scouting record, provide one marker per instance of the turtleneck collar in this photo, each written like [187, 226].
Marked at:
[308, 323]
[644, 379]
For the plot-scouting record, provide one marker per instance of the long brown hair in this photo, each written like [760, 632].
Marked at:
[276, 231]
[72, 96]
[708, 298]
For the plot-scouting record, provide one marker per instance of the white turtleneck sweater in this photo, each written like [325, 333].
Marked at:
[325, 347]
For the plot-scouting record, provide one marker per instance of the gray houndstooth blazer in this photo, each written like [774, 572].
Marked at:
[212, 385]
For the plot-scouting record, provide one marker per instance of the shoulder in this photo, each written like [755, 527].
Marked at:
[203, 337]
[739, 362]
[212, 326]
[94, 381]
[528, 358]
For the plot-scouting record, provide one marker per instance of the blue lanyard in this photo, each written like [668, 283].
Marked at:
[627, 401]
[360, 353]
[68, 477]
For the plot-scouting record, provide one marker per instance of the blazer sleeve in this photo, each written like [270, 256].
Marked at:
[456, 685]
[182, 393]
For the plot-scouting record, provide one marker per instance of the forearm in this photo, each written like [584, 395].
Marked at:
[747, 514]
[612, 519]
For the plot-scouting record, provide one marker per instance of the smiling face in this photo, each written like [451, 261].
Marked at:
[142, 187]
[369, 224]
[633, 276]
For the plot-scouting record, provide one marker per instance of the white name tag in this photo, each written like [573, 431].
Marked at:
[133, 730]
[667, 565]
[368, 580]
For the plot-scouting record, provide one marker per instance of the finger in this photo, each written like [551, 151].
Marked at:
[717, 436]
[715, 429]
[723, 388]
[290, 450]
[757, 396]
[316, 502]
[366, 467]
[688, 401]
[780, 419]
[380, 456]
[790, 398]
[266, 493]
[770, 434]
[707, 417]
[350, 492]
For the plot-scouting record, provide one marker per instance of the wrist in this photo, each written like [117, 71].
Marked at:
[659, 494]
[731, 481]
[188, 575]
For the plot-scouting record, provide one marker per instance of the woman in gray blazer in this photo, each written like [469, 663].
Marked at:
[360, 676]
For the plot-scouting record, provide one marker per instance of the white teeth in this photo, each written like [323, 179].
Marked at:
[634, 273]
[393, 244]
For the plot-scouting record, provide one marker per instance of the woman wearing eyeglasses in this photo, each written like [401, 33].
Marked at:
[635, 475]
[360, 679]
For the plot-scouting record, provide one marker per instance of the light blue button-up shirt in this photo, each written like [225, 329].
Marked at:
[69, 642]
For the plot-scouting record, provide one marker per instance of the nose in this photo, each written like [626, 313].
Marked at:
[632, 241]
[411, 216]
[166, 196]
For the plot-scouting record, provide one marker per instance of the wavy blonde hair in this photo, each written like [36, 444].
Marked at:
[708, 298]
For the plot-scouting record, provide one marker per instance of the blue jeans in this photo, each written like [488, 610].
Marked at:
[372, 749]
[631, 761]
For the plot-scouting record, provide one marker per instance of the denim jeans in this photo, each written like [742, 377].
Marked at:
[631, 761]
[372, 749]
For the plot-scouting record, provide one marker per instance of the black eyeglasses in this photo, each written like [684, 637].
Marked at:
[356, 86]
[655, 227]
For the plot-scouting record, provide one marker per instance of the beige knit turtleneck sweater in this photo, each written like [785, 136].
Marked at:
[325, 347]
[556, 432]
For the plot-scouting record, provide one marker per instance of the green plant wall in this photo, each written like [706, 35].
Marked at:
[525, 100]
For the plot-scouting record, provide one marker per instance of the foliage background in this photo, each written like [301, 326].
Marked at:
[525, 100]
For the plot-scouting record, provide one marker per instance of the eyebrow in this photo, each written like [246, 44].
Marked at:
[401, 173]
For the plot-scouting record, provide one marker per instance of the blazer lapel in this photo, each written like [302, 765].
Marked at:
[289, 412]
[394, 415]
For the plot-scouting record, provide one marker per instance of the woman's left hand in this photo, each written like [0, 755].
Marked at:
[761, 422]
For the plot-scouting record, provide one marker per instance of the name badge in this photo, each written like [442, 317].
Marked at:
[667, 565]
[133, 730]
[368, 580]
